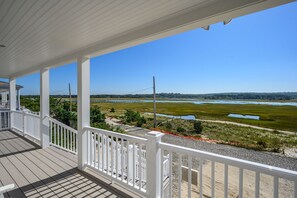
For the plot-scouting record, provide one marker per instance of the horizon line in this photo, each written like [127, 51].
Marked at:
[283, 92]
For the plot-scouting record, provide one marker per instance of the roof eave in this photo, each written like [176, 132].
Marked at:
[182, 22]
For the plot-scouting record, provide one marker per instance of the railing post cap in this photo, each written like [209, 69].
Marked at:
[154, 134]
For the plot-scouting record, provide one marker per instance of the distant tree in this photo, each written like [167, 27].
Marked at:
[180, 129]
[31, 103]
[67, 117]
[140, 121]
[59, 110]
[198, 126]
[168, 126]
[102, 125]
[131, 116]
[96, 115]
[112, 110]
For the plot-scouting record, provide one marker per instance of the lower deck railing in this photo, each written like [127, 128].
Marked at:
[4, 105]
[181, 172]
[4, 119]
[26, 123]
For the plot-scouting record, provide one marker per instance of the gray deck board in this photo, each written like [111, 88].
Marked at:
[7, 179]
[42, 176]
[60, 172]
[19, 179]
[52, 152]
[3, 149]
[42, 189]
[72, 158]
[49, 172]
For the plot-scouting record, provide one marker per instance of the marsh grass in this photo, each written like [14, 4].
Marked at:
[276, 117]
[239, 136]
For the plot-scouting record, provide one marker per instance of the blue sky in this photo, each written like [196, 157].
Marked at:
[254, 53]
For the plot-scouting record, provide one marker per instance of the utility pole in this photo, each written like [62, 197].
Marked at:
[70, 104]
[154, 90]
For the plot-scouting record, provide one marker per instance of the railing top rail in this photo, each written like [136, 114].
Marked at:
[25, 112]
[115, 134]
[62, 124]
[254, 166]
[16, 111]
[31, 114]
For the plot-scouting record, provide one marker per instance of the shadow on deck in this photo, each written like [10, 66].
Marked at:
[49, 172]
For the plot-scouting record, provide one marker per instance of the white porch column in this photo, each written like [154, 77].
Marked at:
[18, 100]
[44, 107]
[12, 94]
[83, 107]
[153, 154]
[12, 99]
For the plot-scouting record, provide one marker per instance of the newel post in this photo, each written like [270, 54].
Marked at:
[153, 154]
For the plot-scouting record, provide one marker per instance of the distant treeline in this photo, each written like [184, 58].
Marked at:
[214, 96]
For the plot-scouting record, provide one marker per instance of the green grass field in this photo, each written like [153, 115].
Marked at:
[244, 137]
[275, 117]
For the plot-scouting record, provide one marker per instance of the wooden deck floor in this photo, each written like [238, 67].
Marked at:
[48, 172]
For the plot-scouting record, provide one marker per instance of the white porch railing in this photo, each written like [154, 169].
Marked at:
[17, 122]
[4, 119]
[182, 156]
[31, 112]
[120, 157]
[4, 105]
[62, 136]
[32, 125]
[26, 124]
[183, 172]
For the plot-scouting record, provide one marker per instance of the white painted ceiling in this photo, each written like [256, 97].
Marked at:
[45, 33]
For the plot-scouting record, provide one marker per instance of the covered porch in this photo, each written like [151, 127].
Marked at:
[49, 172]
[44, 157]
[120, 165]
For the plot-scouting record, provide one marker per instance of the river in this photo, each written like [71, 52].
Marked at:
[198, 102]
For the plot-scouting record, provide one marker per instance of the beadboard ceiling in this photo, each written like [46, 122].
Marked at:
[46, 33]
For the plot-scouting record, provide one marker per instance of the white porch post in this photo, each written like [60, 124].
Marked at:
[18, 100]
[12, 99]
[153, 155]
[83, 110]
[12, 94]
[44, 107]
